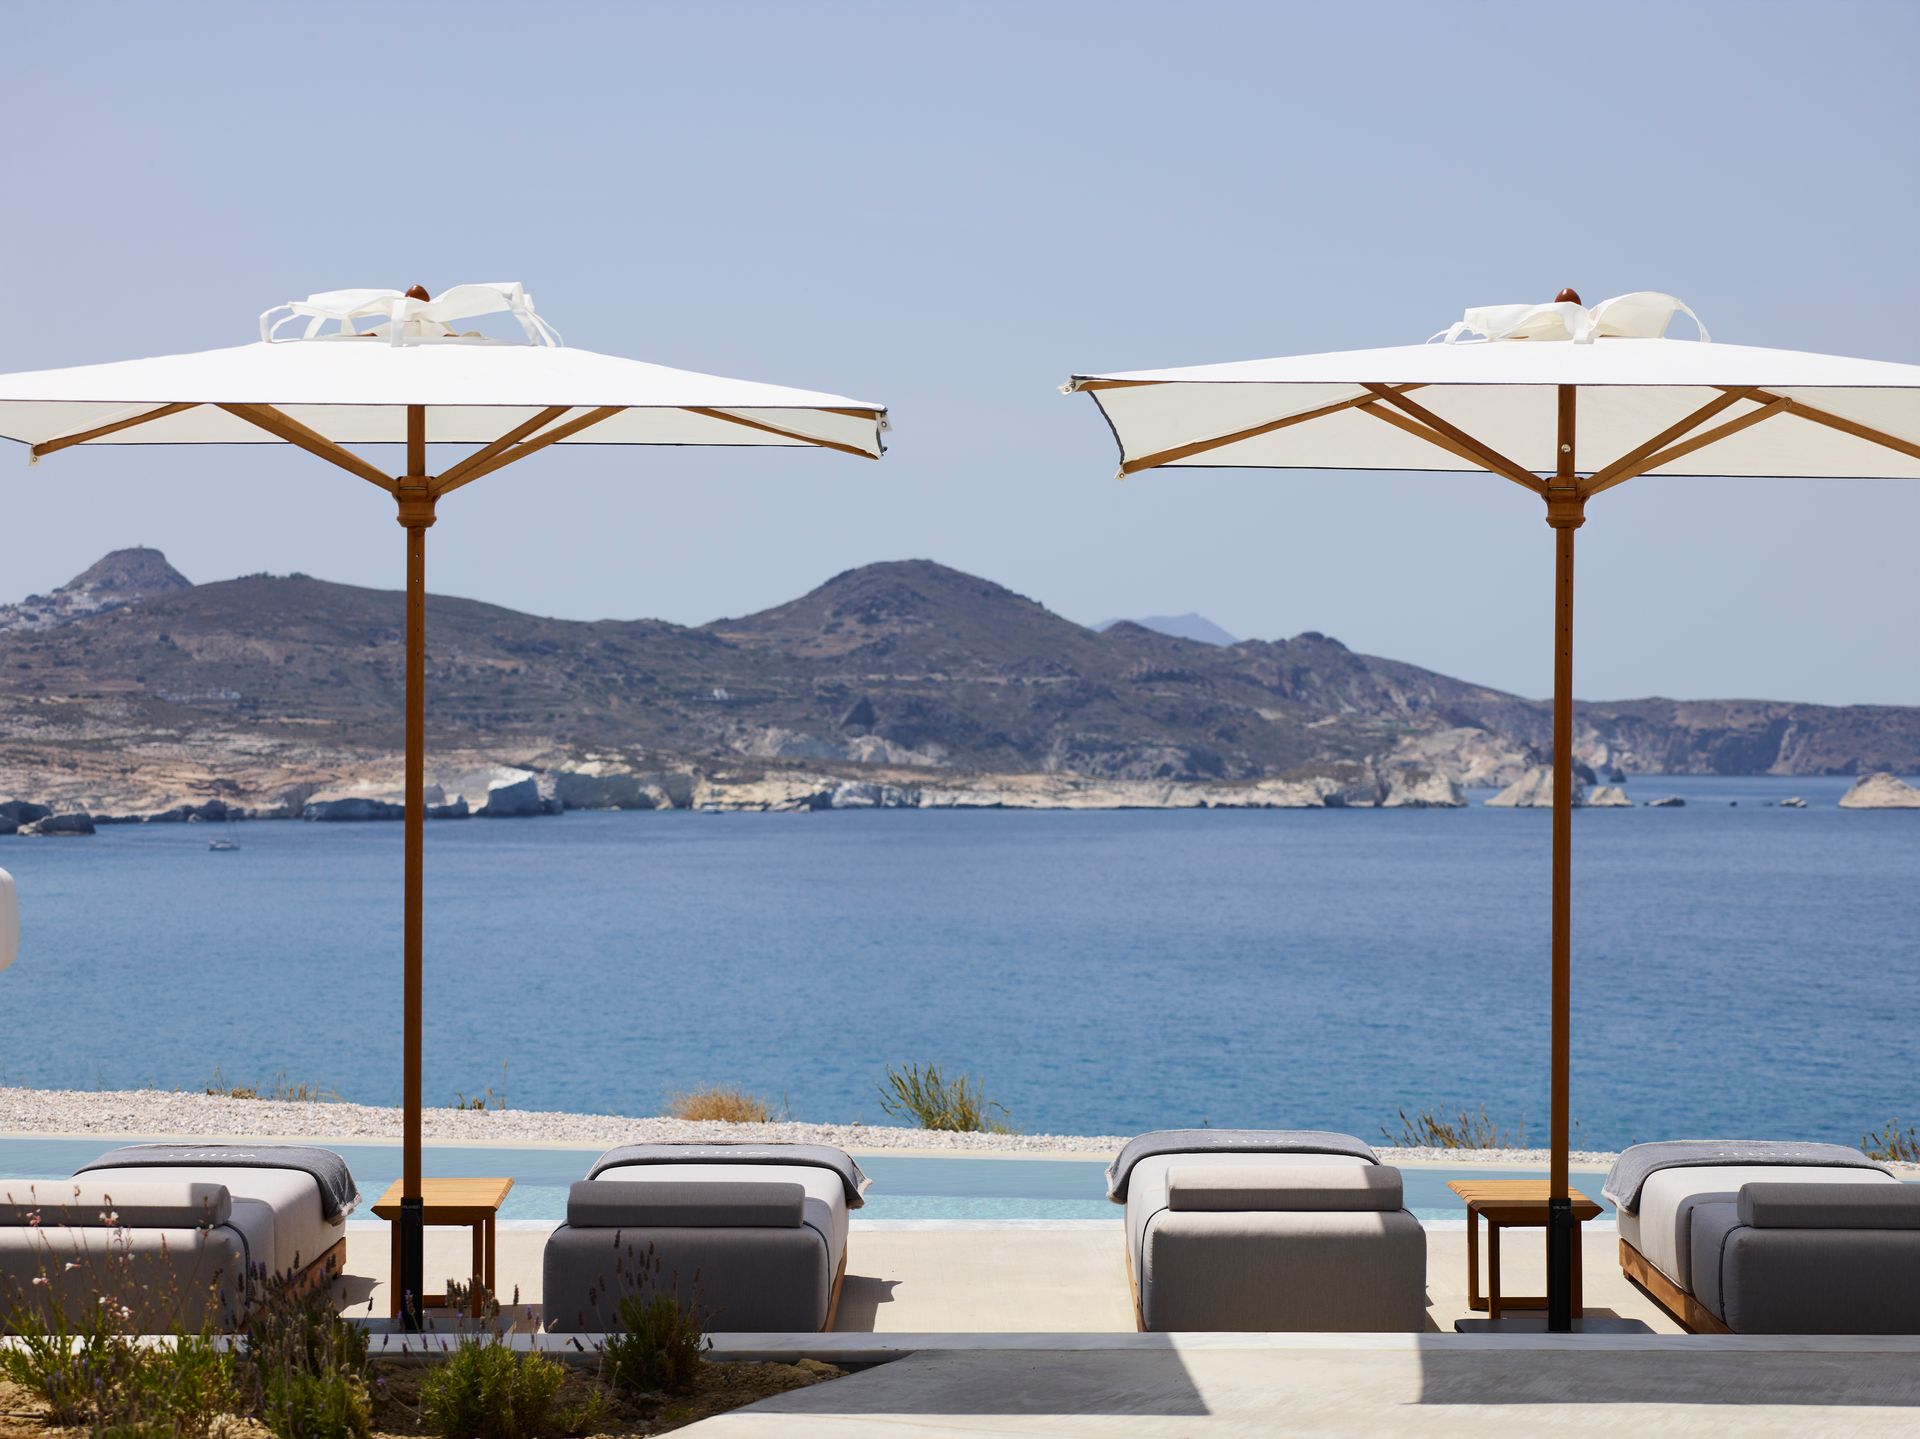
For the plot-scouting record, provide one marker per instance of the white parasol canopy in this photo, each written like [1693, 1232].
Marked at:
[1825, 416]
[354, 388]
[1566, 402]
[394, 370]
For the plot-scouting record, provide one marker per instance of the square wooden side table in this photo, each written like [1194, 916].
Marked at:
[1513, 1204]
[472, 1203]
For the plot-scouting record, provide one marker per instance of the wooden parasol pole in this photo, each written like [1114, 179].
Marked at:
[415, 515]
[1566, 512]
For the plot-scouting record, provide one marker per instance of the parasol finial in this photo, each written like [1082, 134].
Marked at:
[419, 292]
[1568, 296]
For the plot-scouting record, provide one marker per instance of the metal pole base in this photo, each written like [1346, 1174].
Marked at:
[412, 1278]
[1560, 1265]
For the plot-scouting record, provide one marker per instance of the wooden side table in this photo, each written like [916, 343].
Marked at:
[474, 1203]
[1513, 1204]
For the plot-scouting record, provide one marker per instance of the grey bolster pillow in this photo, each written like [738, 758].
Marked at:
[1830, 1206]
[1206, 1187]
[124, 1204]
[684, 1204]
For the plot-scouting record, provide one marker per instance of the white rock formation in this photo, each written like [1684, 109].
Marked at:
[871, 749]
[503, 791]
[1534, 790]
[607, 784]
[1421, 789]
[1404, 788]
[511, 795]
[1609, 796]
[368, 801]
[1880, 790]
[1472, 756]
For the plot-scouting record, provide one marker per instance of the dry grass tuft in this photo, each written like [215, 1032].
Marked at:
[1465, 1130]
[933, 1101]
[726, 1103]
[1890, 1144]
[282, 1089]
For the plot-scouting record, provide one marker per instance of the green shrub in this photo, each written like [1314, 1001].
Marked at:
[1430, 1130]
[934, 1102]
[113, 1385]
[308, 1366]
[1891, 1144]
[658, 1347]
[298, 1405]
[484, 1390]
[70, 1367]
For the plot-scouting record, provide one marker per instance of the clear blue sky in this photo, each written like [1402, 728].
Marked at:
[949, 207]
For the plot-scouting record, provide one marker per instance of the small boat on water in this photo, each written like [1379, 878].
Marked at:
[226, 841]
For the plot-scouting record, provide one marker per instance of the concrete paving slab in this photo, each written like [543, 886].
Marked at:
[1438, 1387]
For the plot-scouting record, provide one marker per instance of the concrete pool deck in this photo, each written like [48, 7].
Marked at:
[1003, 1278]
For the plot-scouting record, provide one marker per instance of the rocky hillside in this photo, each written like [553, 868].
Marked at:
[267, 690]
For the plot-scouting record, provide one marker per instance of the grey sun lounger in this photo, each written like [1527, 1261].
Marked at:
[752, 1237]
[1251, 1230]
[1769, 1237]
[184, 1237]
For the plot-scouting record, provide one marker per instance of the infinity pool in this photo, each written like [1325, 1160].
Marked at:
[905, 1187]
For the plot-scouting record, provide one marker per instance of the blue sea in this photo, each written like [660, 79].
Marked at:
[1739, 968]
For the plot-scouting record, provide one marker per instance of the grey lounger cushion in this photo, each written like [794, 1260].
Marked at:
[1662, 1228]
[280, 1212]
[173, 1238]
[774, 1278]
[179, 1276]
[1795, 1275]
[89, 1204]
[685, 1204]
[1258, 1269]
[1830, 1206]
[1201, 1186]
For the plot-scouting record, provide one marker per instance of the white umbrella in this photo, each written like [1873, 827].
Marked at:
[1565, 402]
[372, 367]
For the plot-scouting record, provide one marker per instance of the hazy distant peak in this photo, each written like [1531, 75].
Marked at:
[1184, 627]
[130, 574]
[122, 577]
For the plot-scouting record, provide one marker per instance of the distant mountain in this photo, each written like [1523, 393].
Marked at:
[1184, 627]
[122, 578]
[146, 683]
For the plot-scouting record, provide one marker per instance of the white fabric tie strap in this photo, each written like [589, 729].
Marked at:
[404, 321]
[1642, 315]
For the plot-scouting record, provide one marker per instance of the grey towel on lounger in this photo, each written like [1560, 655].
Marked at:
[1635, 1164]
[338, 1193]
[1228, 1141]
[813, 1156]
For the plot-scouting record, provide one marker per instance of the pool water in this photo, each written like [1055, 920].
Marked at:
[905, 1187]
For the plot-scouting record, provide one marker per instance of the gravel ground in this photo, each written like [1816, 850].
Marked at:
[155, 1113]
